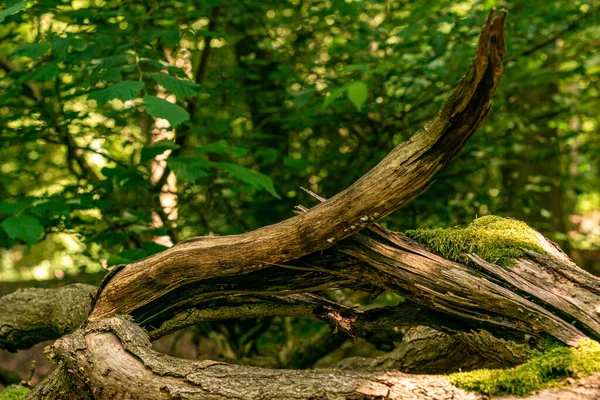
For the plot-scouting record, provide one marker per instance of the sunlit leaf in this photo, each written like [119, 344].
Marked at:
[161, 108]
[9, 208]
[32, 50]
[221, 147]
[333, 96]
[124, 90]
[23, 227]
[149, 152]
[358, 93]
[251, 177]
[189, 168]
[12, 9]
[179, 87]
[44, 74]
[126, 257]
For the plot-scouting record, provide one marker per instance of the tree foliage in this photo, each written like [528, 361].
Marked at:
[247, 102]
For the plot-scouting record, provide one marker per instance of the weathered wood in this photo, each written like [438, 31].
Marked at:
[428, 279]
[501, 295]
[113, 359]
[30, 316]
[424, 350]
[396, 180]
[555, 280]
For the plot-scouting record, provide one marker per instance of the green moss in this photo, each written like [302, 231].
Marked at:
[495, 239]
[14, 393]
[541, 371]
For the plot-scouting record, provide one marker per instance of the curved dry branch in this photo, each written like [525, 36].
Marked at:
[30, 316]
[396, 180]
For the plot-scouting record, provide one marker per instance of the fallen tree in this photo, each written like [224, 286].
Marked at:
[281, 270]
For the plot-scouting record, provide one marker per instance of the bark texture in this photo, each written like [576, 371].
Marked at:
[113, 359]
[31, 316]
[425, 351]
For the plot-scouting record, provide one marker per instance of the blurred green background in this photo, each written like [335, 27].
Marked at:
[127, 126]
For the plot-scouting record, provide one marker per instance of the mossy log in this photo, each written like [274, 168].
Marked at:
[327, 246]
[113, 359]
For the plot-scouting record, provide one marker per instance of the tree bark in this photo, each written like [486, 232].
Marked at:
[31, 316]
[113, 359]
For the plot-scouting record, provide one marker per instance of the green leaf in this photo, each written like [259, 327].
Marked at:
[53, 207]
[332, 96]
[124, 90]
[179, 87]
[251, 177]
[9, 208]
[358, 93]
[79, 44]
[111, 238]
[221, 147]
[171, 36]
[295, 163]
[60, 45]
[149, 152]
[162, 65]
[12, 9]
[189, 168]
[161, 108]
[153, 248]
[126, 257]
[23, 227]
[32, 50]
[45, 74]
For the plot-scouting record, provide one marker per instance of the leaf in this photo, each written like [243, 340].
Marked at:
[161, 108]
[111, 238]
[53, 207]
[295, 163]
[44, 74]
[124, 90]
[115, 74]
[23, 227]
[179, 87]
[126, 257]
[162, 65]
[251, 177]
[221, 147]
[12, 9]
[358, 93]
[112, 171]
[189, 168]
[153, 248]
[9, 208]
[332, 96]
[32, 50]
[149, 152]
[60, 45]
[171, 36]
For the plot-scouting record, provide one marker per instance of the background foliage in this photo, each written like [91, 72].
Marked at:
[128, 126]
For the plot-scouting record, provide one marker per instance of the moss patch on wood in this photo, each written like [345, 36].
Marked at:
[495, 239]
[14, 393]
[541, 371]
